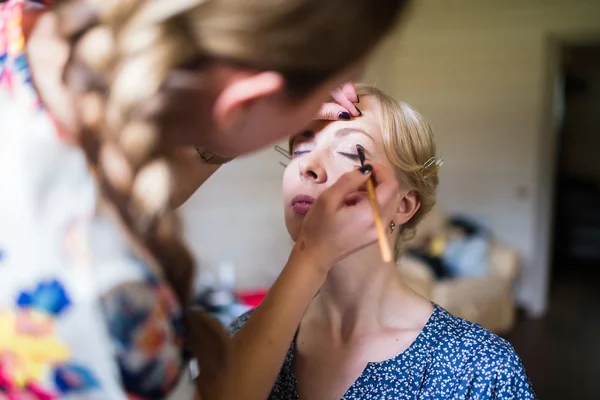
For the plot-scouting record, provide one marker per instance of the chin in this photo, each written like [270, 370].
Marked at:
[293, 230]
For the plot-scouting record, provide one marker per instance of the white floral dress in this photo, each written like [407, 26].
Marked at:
[80, 316]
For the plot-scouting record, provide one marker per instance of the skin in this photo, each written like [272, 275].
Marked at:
[363, 312]
[191, 172]
[239, 111]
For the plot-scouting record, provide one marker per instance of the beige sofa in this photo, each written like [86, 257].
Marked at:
[487, 301]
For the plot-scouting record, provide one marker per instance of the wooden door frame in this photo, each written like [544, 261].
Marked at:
[547, 161]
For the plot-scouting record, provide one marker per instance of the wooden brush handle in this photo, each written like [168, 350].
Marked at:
[384, 245]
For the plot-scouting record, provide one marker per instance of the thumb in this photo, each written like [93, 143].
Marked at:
[333, 112]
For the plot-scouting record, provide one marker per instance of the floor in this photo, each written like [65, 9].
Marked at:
[561, 352]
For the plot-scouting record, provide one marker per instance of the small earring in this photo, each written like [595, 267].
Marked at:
[392, 226]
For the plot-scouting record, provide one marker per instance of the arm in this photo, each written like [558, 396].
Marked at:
[257, 351]
[330, 231]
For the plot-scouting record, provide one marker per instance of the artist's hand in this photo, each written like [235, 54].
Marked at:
[340, 221]
[343, 108]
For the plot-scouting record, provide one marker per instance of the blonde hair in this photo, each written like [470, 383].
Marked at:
[122, 51]
[409, 145]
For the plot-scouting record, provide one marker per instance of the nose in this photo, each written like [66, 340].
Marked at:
[312, 169]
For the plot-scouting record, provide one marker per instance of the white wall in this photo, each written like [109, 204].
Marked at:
[237, 217]
[478, 70]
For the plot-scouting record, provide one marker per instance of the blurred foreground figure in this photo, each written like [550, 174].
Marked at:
[101, 103]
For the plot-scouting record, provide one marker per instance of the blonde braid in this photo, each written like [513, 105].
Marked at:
[122, 52]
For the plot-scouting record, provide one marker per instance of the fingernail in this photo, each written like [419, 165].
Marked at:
[357, 99]
[344, 115]
[366, 169]
[359, 112]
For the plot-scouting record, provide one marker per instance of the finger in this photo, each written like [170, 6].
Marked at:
[333, 112]
[339, 96]
[350, 92]
[334, 197]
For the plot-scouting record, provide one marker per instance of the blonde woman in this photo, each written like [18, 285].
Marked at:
[100, 102]
[366, 335]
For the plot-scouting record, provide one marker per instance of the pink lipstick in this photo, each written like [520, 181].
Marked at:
[302, 203]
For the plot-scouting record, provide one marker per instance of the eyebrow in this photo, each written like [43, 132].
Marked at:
[348, 131]
[310, 134]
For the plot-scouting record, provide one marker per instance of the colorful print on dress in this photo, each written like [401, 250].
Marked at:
[34, 363]
[148, 349]
[15, 76]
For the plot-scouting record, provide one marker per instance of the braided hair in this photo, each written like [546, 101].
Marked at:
[121, 53]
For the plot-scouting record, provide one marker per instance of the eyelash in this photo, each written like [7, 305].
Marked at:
[299, 153]
[351, 156]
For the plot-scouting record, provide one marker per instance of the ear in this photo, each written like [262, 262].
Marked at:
[239, 92]
[407, 207]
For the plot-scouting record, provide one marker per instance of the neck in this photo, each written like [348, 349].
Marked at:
[358, 294]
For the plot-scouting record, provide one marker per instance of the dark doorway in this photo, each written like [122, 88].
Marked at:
[576, 244]
[560, 350]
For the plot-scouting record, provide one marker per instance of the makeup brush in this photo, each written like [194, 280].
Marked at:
[384, 245]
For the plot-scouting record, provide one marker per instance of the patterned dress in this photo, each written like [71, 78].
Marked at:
[80, 316]
[450, 359]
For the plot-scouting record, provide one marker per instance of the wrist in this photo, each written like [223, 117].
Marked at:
[311, 259]
[209, 157]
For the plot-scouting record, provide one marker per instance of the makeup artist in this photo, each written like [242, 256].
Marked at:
[194, 165]
[95, 96]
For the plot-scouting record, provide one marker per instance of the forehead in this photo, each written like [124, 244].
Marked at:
[369, 121]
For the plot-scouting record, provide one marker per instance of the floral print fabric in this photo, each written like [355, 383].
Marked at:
[450, 359]
[80, 316]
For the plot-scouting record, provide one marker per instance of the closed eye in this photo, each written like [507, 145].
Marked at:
[298, 153]
[351, 156]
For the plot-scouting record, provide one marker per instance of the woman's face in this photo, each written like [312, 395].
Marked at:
[325, 152]
[247, 109]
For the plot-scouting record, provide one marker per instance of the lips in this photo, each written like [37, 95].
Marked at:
[302, 203]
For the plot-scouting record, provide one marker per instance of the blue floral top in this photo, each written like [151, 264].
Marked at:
[80, 316]
[450, 359]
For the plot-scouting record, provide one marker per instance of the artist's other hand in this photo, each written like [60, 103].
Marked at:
[343, 107]
[340, 221]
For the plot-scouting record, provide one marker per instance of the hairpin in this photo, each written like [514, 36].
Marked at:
[284, 153]
[433, 161]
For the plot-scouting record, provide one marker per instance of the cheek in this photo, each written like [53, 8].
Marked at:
[293, 223]
[389, 213]
[291, 184]
[287, 183]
